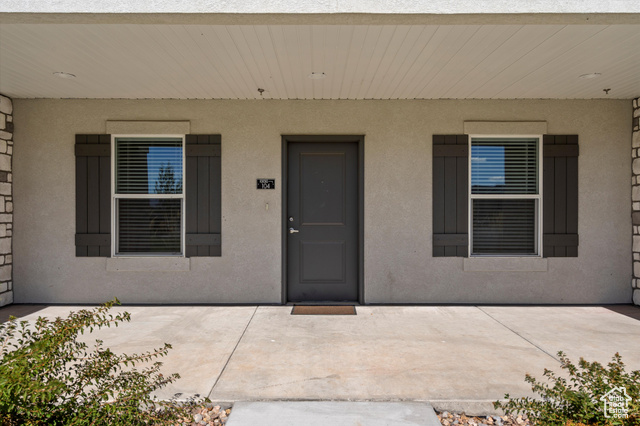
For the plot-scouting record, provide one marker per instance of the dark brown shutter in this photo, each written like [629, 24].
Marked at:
[450, 195]
[203, 213]
[560, 196]
[93, 195]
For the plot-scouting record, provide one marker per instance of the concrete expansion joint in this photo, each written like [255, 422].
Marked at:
[518, 334]
[234, 350]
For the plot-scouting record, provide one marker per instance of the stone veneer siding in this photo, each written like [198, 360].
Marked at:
[635, 182]
[6, 200]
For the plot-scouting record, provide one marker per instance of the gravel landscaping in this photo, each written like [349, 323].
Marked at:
[449, 419]
[217, 416]
[207, 416]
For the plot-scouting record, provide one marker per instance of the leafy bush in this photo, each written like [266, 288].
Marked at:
[49, 377]
[577, 401]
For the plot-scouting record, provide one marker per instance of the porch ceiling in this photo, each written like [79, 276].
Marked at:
[484, 61]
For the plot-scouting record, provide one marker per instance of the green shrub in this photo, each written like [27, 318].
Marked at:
[49, 377]
[577, 400]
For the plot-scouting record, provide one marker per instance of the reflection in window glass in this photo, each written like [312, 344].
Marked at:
[149, 196]
[505, 196]
[149, 166]
[504, 167]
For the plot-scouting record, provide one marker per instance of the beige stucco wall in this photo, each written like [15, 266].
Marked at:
[398, 263]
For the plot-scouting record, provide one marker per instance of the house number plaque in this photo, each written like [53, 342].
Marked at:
[266, 183]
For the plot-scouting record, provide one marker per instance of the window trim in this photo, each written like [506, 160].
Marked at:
[114, 197]
[538, 197]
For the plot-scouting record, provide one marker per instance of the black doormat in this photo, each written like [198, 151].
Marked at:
[323, 310]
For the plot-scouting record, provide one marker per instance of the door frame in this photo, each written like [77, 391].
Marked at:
[359, 140]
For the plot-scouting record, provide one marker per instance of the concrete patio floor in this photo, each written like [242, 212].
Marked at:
[458, 358]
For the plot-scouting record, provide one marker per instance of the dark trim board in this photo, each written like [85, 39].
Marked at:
[359, 139]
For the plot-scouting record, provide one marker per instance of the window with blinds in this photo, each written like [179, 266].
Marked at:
[505, 196]
[149, 196]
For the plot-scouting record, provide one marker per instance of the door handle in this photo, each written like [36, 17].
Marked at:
[293, 231]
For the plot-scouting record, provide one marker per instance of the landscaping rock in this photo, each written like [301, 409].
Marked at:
[450, 419]
[208, 416]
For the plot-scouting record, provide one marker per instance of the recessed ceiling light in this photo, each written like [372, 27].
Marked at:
[317, 75]
[64, 74]
[590, 75]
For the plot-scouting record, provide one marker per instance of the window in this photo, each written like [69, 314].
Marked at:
[505, 196]
[520, 199]
[148, 198]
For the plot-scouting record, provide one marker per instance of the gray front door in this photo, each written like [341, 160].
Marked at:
[322, 222]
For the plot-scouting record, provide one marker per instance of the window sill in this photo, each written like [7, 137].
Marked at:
[148, 264]
[505, 264]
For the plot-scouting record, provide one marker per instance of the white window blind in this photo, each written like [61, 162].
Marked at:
[149, 196]
[505, 196]
[149, 166]
[499, 167]
[504, 226]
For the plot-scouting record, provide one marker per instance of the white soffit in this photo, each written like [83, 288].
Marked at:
[322, 6]
[359, 61]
